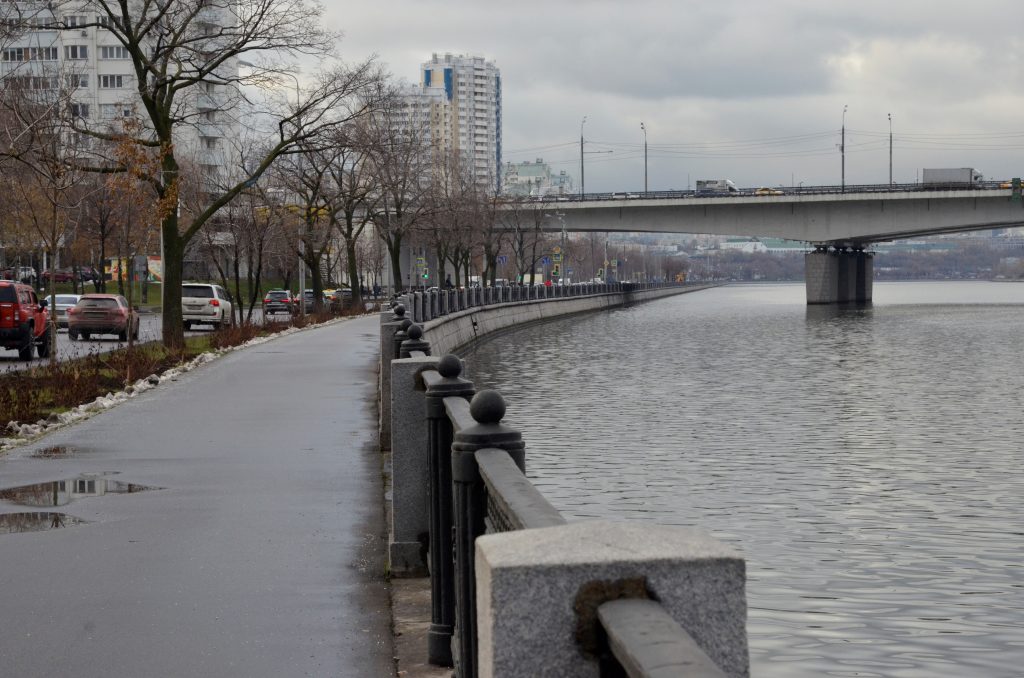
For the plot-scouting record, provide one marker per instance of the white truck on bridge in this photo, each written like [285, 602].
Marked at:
[952, 177]
[715, 186]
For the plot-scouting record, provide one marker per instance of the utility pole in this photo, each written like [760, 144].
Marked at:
[842, 153]
[890, 150]
[582, 183]
[644, 128]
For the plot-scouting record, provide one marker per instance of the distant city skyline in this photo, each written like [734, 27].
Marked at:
[755, 94]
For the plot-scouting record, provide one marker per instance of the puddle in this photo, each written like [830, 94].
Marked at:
[36, 522]
[55, 452]
[62, 492]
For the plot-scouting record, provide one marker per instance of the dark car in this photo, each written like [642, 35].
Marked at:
[24, 320]
[102, 314]
[310, 300]
[278, 301]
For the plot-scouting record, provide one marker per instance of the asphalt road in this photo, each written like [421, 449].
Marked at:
[150, 327]
[262, 553]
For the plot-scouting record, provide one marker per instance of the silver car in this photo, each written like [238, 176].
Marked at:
[205, 303]
[61, 305]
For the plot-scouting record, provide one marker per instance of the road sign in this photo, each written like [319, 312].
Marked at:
[502, 259]
[556, 257]
[546, 261]
[556, 249]
[568, 271]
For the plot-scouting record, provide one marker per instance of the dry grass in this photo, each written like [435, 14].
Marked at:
[30, 395]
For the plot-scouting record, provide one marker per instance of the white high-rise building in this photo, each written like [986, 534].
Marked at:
[82, 66]
[471, 124]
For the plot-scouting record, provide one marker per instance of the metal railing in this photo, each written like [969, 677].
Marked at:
[478, 486]
[424, 305]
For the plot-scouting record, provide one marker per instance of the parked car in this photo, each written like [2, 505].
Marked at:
[59, 276]
[63, 302]
[310, 300]
[339, 299]
[102, 314]
[205, 303]
[24, 320]
[23, 274]
[278, 301]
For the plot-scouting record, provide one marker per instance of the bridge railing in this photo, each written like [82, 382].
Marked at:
[517, 590]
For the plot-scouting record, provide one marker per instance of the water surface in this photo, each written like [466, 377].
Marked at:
[865, 461]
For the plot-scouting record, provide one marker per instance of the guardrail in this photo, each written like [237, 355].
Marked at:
[782, 190]
[421, 306]
[517, 590]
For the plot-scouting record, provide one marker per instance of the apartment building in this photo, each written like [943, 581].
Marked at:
[469, 87]
[63, 53]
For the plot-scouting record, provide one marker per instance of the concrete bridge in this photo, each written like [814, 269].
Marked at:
[841, 224]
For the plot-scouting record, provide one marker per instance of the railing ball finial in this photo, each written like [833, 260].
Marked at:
[399, 311]
[450, 366]
[406, 324]
[487, 407]
[415, 332]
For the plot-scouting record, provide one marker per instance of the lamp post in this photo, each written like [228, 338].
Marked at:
[890, 150]
[842, 153]
[582, 183]
[644, 128]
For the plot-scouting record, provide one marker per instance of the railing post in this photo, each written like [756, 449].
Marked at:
[470, 506]
[401, 335]
[442, 575]
[415, 342]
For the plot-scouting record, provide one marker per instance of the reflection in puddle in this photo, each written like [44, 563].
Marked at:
[61, 492]
[35, 522]
[55, 452]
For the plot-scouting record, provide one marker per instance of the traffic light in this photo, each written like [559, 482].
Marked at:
[426, 274]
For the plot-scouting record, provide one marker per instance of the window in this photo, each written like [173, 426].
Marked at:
[111, 111]
[107, 22]
[76, 52]
[42, 53]
[78, 81]
[208, 115]
[111, 81]
[209, 143]
[74, 21]
[113, 52]
[79, 110]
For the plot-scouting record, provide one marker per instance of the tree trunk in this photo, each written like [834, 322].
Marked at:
[350, 254]
[395, 252]
[174, 261]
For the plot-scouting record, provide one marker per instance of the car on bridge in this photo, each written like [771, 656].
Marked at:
[764, 190]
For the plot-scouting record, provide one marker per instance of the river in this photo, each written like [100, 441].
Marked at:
[866, 462]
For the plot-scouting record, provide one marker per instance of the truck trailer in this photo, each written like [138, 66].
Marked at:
[715, 186]
[951, 177]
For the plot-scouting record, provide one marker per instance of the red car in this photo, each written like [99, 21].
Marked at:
[24, 320]
[60, 276]
[102, 314]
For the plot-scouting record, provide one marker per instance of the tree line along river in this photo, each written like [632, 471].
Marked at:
[866, 461]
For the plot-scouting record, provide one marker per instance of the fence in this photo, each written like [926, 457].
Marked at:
[516, 589]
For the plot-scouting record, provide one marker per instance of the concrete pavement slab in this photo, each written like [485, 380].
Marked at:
[261, 554]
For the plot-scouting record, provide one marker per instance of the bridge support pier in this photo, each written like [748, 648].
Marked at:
[838, 276]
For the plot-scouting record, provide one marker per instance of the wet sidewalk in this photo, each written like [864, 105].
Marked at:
[230, 524]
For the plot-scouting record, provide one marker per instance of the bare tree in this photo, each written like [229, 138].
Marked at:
[185, 56]
[399, 156]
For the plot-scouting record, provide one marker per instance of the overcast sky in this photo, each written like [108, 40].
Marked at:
[752, 91]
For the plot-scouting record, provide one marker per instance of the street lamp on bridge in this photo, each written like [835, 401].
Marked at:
[644, 128]
[582, 183]
[842, 154]
[890, 149]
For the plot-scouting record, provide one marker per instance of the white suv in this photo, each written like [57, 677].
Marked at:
[205, 303]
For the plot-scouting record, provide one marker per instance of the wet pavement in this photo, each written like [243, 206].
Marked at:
[226, 524]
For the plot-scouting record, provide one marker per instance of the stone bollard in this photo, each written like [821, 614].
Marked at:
[470, 510]
[442, 580]
[390, 343]
[409, 520]
[415, 342]
[538, 592]
[401, 335]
